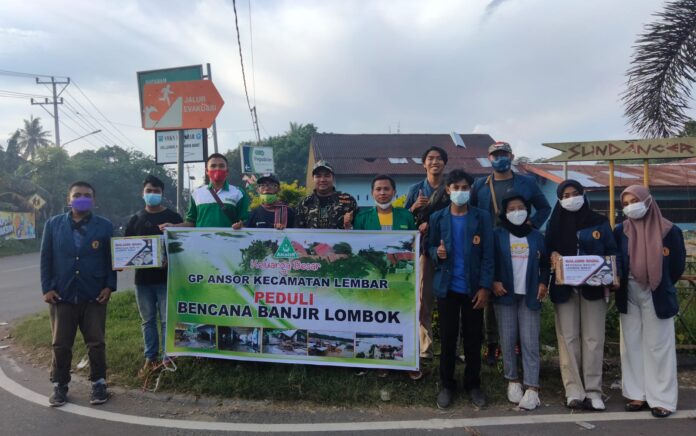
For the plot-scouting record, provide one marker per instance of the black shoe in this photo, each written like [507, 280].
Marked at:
[478, 398]
[444, 398]
[59, 396]
[575, 404]
[635, 407]
[99, 394]
[659, 412]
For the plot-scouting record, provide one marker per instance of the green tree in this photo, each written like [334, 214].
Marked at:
[662, 72]
[32, 137]
[376, 259]
[343, 248]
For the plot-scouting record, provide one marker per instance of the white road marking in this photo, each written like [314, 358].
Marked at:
[21, 268]
[428, 424]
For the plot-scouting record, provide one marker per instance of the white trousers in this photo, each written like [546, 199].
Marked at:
[648, 352]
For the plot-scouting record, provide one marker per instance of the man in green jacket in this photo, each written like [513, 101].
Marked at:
[383, 216]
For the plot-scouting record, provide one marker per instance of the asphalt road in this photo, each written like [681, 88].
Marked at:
[24, 389]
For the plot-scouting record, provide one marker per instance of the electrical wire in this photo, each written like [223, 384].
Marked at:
[252, 111]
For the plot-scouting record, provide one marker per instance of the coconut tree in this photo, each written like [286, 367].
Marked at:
[662, 72]
[32, 137]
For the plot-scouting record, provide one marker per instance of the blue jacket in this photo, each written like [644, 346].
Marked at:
[537, 267]
[524, 185]
[594, 240]
[673, 263]
[65, 268]
[478, 251]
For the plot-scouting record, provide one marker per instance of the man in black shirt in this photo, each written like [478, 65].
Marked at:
[151, 284]
[273, 212]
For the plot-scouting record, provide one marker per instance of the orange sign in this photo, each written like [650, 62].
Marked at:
[180, 105]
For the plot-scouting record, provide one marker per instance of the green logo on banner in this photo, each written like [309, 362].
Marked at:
[285, 251]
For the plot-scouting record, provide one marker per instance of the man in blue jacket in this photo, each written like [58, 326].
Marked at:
[77, 282]
[488, 193]
[460, 244]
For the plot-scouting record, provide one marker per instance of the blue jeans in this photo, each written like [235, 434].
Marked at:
[152, 299]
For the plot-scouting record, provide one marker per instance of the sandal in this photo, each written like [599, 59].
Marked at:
[659, 412]
[632, 406]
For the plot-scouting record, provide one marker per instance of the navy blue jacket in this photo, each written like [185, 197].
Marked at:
[673, 263]
[88, 268]
[538, 267]
[478, 252]
[524, 185]
[592, 241]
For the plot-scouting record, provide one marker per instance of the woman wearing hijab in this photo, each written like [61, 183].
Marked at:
[580, 312]
[647, 301]
[521, 278]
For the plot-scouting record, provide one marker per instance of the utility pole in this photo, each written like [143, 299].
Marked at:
[55, 101]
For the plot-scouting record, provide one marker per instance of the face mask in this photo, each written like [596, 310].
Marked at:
[501, 164]
[517, 217]
[82, 204]
[152, 199]
[384, 206]
[636, 211]
[460, 198]
[268, 198]
[217, 176]
[573, 204]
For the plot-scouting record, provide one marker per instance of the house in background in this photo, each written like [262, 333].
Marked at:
[672, 184]
[358, 158]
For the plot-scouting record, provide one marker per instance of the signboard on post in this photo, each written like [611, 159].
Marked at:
[180, 105]
[37, 201]
[660, 148]
[294, 296]
[168, 75]
[167, 146]
[257, 160]
[17, 225]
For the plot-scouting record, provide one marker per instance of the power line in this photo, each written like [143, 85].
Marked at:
[89, 126]
[55, 101]
[252, 110]
[111, 137]
[251, 49]
[32, 75]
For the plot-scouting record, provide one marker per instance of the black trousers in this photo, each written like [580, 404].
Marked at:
[451, 308]
[65, 320]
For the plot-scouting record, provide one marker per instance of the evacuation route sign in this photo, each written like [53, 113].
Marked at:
[319, 297]
[192, 104]
[660, 148]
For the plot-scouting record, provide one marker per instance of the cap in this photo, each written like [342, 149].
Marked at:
[268, 177]
[499, 146]
[322, 164]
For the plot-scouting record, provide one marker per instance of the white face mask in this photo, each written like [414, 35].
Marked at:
[460, 198]
[573, 204]
[636, 211]
[517, 217]
[384, 206]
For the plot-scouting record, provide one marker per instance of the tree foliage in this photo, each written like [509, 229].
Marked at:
[662, 72]
[33, 137]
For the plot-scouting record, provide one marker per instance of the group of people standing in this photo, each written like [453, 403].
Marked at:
[482, 257]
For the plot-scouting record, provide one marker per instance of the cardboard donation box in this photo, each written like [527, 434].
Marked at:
[586, 270]
[136, 252]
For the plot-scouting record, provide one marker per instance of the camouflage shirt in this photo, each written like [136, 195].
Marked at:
[312, 215]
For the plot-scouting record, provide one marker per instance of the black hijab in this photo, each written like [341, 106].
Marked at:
[520, 231]
[562, 231]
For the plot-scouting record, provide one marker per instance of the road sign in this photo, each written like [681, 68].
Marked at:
[257, 160]
[37, 202]
[660, 148]
[167, 75]
[167, 146]
[192, 104]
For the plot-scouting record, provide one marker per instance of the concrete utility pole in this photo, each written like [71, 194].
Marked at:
[55, 102]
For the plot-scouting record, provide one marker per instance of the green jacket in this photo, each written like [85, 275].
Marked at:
[367, 219]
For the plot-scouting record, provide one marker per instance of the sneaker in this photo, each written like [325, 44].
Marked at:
[99, 394]
[478, 398]
[595, 404]
[530, 401]
[514, 392]
[444, 398]
[59, 396]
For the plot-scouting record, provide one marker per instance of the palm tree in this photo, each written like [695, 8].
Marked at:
[662, 72]
[32, 137]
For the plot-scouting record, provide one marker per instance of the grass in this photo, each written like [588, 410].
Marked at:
[13, 247]
[280, 382]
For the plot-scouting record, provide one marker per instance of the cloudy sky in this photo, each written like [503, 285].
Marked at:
[525, 71]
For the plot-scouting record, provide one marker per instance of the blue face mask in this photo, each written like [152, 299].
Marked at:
[152, 199]
[460, 198]
[501, 163]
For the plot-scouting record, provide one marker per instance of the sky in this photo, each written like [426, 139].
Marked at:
[523, 71]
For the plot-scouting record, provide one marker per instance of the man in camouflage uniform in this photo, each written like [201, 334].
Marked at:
[326, 208]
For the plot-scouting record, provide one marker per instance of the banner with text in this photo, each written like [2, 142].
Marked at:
[321, 297]
[17, 225]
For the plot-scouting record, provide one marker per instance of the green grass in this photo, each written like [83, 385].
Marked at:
[14, 247]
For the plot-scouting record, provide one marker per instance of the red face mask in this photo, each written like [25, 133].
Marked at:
[217, 176]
